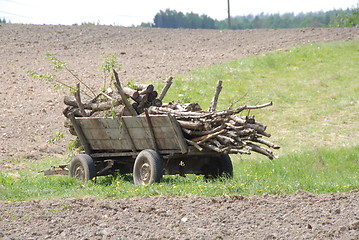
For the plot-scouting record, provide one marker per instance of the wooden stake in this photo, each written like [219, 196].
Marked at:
[152, 132]
[165, 89]
[78, 101]
[213, 106]
[123, 95]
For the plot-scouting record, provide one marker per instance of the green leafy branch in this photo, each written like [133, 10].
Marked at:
[107, 67]
[47, 77]
[58, 66]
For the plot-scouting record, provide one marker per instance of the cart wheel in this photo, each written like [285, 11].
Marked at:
[220, 166]
[225, 166]
[82, 167]
[147, 168]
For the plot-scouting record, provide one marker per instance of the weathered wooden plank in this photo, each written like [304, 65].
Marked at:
[178, 133]
[109, 134]
[99, 123]
[135, 133]
[157, 121]
[125, 144]
[152, 132]
[138, 133]
[103, 133]
[127, 133]
[80, 134]
[162, 144]
[107, 144]
[111, 123]
[168, 143]
[163, 132]
[131, 122]
[101, 128]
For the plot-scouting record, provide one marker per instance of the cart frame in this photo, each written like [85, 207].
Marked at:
[146, 145]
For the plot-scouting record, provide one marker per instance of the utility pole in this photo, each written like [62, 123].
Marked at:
[229, 16]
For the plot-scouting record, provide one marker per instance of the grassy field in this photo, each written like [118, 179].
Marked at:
[315, 91]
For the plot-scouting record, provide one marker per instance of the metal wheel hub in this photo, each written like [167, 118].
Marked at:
[79, 173]
[145, 172]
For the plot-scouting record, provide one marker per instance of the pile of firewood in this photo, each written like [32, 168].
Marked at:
[111, 102]
[221, 131]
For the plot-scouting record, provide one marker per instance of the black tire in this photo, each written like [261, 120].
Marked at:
[148, 168]
[225, 166]
[82, 167]
[219, 167]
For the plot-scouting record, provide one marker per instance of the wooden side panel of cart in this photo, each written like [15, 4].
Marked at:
[130, 134]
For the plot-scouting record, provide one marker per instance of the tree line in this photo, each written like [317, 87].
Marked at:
[173, 19]
[335, 18]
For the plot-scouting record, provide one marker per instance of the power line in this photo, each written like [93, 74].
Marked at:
[14, 14]
[19, 3]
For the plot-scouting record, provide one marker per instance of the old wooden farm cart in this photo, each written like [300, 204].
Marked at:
[146, 145]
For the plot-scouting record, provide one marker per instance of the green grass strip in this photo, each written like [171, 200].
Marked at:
[321, 171]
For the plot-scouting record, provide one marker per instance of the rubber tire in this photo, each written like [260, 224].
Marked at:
[225, 166]
[148, 168]
[220, 167]
[82, 167]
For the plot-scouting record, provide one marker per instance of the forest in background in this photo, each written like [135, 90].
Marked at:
[334, 18]
[174, 19]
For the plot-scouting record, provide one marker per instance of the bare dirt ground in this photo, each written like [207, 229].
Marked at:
[299, 216]
[31, 111]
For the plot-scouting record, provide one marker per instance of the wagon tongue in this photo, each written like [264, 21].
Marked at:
[59, 170]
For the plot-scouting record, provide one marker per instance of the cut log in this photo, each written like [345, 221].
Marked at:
[156, 102]
[190, 125]
[75, 111]
[234, 151]
[215, 142]
[212, 147]
[256, 127]
[267, 143]
[152, 96]
[94, 106]
[209, 136]
[200, 133]
[145, 88]
[195, 145]
[225, 140]
[165, 110]
[132, 93]
[261, 150]
[237, 119]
